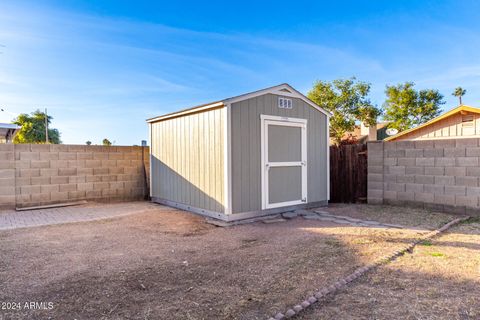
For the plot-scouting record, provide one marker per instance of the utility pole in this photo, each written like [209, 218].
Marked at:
[46, 126]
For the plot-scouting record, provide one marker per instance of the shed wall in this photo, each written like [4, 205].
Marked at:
[188, 160]
[246, 149]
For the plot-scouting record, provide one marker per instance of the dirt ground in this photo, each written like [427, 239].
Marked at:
[170, 264]
[440, 280]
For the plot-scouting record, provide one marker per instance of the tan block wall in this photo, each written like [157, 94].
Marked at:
[32, 175]
[442, 175]
[7, 175]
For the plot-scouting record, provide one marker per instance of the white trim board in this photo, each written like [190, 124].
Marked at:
[187, 112]
[237, 216]
[150, 164]
[328, 158]
[227, 158]
[282, 119]
[278, 91]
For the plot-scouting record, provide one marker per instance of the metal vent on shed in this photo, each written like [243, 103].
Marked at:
[285, 103]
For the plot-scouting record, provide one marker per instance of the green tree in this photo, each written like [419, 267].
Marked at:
[406, 107]
[33, 128]
[459, 93]
[348, 100]
[88, 143]
[106, 142]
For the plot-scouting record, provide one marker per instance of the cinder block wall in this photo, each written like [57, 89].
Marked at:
[7, 176]
[36, 174]
[436, 174]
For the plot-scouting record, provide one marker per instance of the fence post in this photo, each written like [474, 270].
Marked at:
[375, 172]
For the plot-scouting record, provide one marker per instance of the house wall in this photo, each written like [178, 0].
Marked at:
[436, 174]
[42, 174]
[450, 127]
[246, 149]
[187, 160]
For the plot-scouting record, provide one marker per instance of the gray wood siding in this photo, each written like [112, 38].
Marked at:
[246, 149]
[284, 143]
[285, 184]
[188, 159]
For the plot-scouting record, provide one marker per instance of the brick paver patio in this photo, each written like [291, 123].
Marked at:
[11, 219]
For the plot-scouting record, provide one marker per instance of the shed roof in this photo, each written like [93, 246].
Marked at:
[283, 89]
[461, 108]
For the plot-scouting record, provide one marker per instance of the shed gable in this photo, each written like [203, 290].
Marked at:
[246, 148]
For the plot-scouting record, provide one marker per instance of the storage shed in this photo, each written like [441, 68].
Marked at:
[255, 154]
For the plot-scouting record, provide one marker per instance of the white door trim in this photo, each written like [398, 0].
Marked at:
[328, 158]
[283, 121]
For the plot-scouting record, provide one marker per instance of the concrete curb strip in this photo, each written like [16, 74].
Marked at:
[325, 216]
[322, 292]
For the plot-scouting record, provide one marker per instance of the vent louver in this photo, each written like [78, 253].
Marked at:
[285, 103]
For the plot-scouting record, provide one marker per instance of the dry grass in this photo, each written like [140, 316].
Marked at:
[171, 265]
[440, 280]
[410, 217]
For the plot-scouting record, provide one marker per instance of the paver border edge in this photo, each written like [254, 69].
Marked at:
[52, 206]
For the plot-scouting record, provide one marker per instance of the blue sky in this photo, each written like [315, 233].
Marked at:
[103, 67]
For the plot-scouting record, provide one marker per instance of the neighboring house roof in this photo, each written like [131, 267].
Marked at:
[9, 126]
[462, 108]
[283, 89]
[8, 130]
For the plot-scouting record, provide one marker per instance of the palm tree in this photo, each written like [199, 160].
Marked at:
[459, 92]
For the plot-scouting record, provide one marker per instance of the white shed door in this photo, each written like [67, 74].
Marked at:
[284, 161]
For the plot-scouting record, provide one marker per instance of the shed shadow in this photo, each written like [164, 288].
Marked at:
[195, 189]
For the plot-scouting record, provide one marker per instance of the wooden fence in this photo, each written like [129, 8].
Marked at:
[348, 173]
